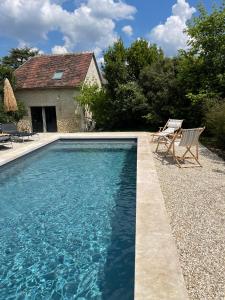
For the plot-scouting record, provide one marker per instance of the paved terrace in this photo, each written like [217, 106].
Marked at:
[191, 199]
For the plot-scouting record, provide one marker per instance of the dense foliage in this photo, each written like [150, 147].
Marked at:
[8, 64]
[202, 70]
[215, 121]
[5, 72]
[12, 116]
[95, 100]
[17, 57]
[144, 88]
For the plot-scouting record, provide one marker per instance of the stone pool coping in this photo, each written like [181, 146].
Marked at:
[158, 274]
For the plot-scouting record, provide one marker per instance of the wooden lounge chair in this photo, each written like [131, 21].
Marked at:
[189, 139]
[172, 126]
[167, 133]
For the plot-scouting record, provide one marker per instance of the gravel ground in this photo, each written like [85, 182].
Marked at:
[195, 202]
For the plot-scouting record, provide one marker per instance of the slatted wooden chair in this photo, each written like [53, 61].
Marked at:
[171, 126]
[166, 134]
[189, 139]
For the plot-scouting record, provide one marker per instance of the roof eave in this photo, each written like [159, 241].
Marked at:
[47, 88]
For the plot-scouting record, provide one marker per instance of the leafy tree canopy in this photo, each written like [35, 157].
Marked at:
[140, 54]
[115, 66]
[206, 56]
[18, 56]
[5, 72]
[8, 64]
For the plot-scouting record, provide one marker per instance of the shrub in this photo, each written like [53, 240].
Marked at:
[215, 122]
[95, 100]
[7, 117]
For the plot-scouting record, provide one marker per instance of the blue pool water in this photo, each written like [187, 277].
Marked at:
[67, 222]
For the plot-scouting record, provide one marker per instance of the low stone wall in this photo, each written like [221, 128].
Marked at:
[68, 125]
[63, 125]
[24, 125]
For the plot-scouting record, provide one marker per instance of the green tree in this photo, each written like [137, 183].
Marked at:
[8, 64]
[215, 122]
[207, 46]
[115, 66]
[125, 100]
[190, 72]
[95, 99]
[160, 86]
[12, 116]
[201, 69]
[128, 107]
[18, 56]
[5, 72]
[140, 54]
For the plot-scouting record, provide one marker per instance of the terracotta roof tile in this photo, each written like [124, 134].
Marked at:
[39, 70]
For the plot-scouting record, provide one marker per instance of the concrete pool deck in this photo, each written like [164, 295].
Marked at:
[158, 274]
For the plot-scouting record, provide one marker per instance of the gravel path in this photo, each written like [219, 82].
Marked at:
[195, 202]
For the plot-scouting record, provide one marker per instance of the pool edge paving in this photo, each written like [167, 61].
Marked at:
[158, 273]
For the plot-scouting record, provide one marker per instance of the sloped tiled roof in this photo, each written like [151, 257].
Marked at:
[38, 71]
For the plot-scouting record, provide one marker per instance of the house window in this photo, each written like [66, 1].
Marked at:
[58, 75]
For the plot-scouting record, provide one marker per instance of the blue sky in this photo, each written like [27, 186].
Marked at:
[60, 26]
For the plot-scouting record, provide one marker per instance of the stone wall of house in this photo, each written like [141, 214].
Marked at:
[93, 75]
[69, 114]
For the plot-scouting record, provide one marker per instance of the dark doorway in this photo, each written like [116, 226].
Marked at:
[44, 119]
[37, 119]
[50, 116]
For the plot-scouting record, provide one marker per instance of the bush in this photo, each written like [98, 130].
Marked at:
[129, 106]
[95, 100]
[215, 122]
[14, 117]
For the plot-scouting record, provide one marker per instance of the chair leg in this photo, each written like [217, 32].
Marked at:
[159, 139]
[195, 157]
[157, 147]
[183, 157]
[169, 149]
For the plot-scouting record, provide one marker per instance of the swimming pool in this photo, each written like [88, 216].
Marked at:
[67, 222]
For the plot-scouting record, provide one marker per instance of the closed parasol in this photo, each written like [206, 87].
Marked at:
[10, 103]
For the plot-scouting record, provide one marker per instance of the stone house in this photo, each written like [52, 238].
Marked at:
[48, 86]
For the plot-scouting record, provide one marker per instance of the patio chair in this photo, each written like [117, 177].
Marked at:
[5, 139]
[171, 126]
[10, 128]
[164, 136]
[189, 139]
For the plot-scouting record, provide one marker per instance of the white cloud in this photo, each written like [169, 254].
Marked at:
[128, 30]
[170, 35]
[183, 10]
[59, 49]
[111, 9]
[36, 49]
[23, 44]
[90, 26]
